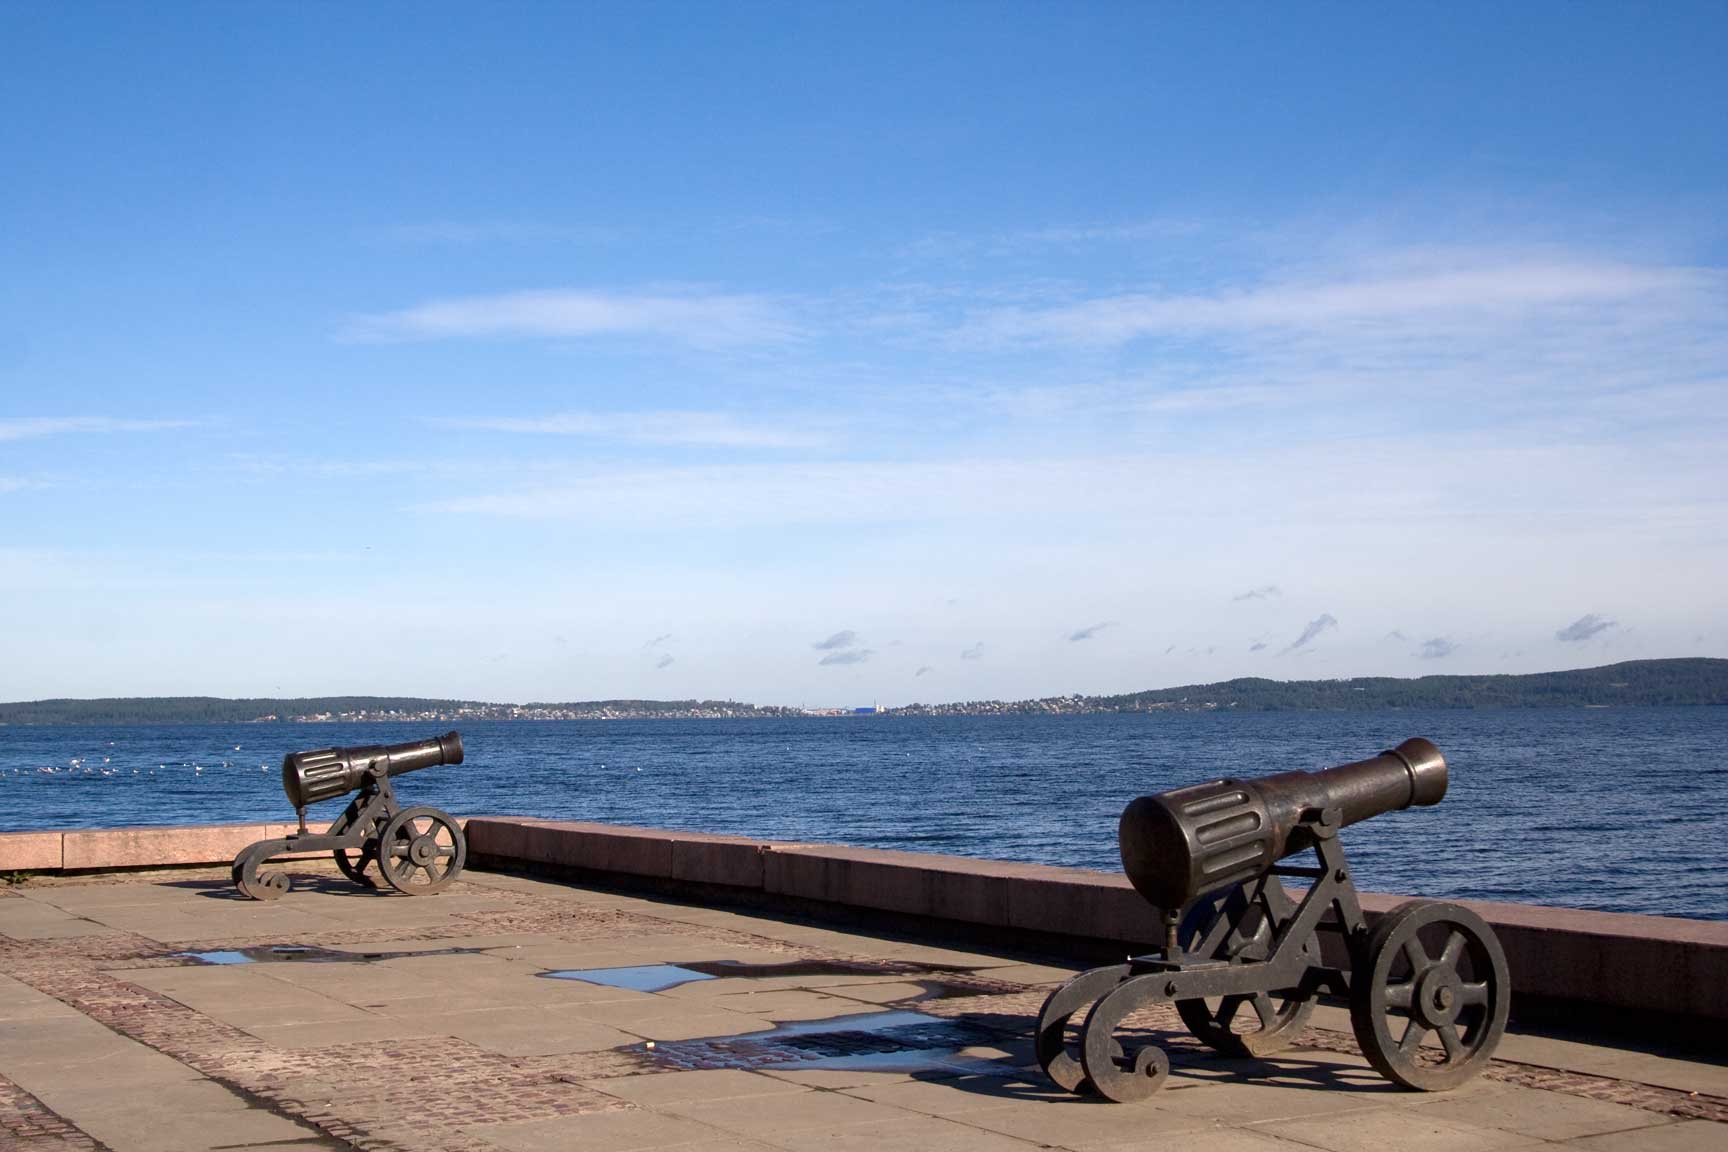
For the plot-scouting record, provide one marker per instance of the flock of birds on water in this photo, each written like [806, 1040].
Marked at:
[85, 766]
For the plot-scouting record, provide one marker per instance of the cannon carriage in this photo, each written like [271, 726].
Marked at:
[1242, 962]
[417, 850]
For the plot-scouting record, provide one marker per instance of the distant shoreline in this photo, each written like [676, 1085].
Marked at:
[1637, 683]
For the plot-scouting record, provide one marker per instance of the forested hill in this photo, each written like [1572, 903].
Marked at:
[1635, 682]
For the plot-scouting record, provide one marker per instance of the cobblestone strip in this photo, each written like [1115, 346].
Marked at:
[28, 1125]
[1649, 1097]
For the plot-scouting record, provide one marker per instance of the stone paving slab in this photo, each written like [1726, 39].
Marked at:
[453, 1038]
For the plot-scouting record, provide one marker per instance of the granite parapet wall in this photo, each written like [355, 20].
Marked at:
[103, 849]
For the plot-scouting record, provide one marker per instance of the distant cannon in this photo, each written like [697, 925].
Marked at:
[1428, 989]
[418, 850]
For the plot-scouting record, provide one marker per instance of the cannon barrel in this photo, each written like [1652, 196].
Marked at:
[326, 773]
[1183, 844]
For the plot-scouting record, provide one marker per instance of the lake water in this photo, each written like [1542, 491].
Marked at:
[1617, 809]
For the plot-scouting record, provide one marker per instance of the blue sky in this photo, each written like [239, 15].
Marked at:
[823, 354]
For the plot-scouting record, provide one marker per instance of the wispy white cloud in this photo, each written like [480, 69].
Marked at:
[691, 428]
[1480, 481]
[702, 319]
[33, 427]
[1368, 296]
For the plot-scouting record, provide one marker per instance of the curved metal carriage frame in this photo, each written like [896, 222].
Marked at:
[1251, 949]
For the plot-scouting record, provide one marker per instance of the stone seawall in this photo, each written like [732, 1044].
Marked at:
[106, 849]
[1562, 959]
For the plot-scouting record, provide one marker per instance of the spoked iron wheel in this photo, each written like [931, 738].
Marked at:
[353, 862]
[421, 850]
[1242, 925]
[1428, 1002]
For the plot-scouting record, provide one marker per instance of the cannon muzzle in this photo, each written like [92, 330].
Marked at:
[324, 774]
[1183, 844]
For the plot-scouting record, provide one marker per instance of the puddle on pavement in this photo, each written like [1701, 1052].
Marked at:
[659, 977]
[875, 1041]
[296, 954]
[639, 978]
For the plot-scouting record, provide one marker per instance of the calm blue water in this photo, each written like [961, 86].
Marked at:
[1625, 810]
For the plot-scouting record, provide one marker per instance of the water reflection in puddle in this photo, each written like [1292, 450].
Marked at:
[292, 953]
[659, 977]
[877, 1041]
[640, 978]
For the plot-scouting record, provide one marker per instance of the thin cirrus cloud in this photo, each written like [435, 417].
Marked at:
[32, 427]
[1498, 479]
[837, 642]
[1089, 631]
[702, 319]
[1584, 628]
[1473, 287]
[718, 429]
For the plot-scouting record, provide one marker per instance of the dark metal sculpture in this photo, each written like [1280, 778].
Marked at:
[1428, 989]
[418, 850]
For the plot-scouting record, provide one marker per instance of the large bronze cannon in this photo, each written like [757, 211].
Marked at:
[1241, 962]
[418, 850]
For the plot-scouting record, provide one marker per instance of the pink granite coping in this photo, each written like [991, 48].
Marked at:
[30, 852]
[86, 849]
